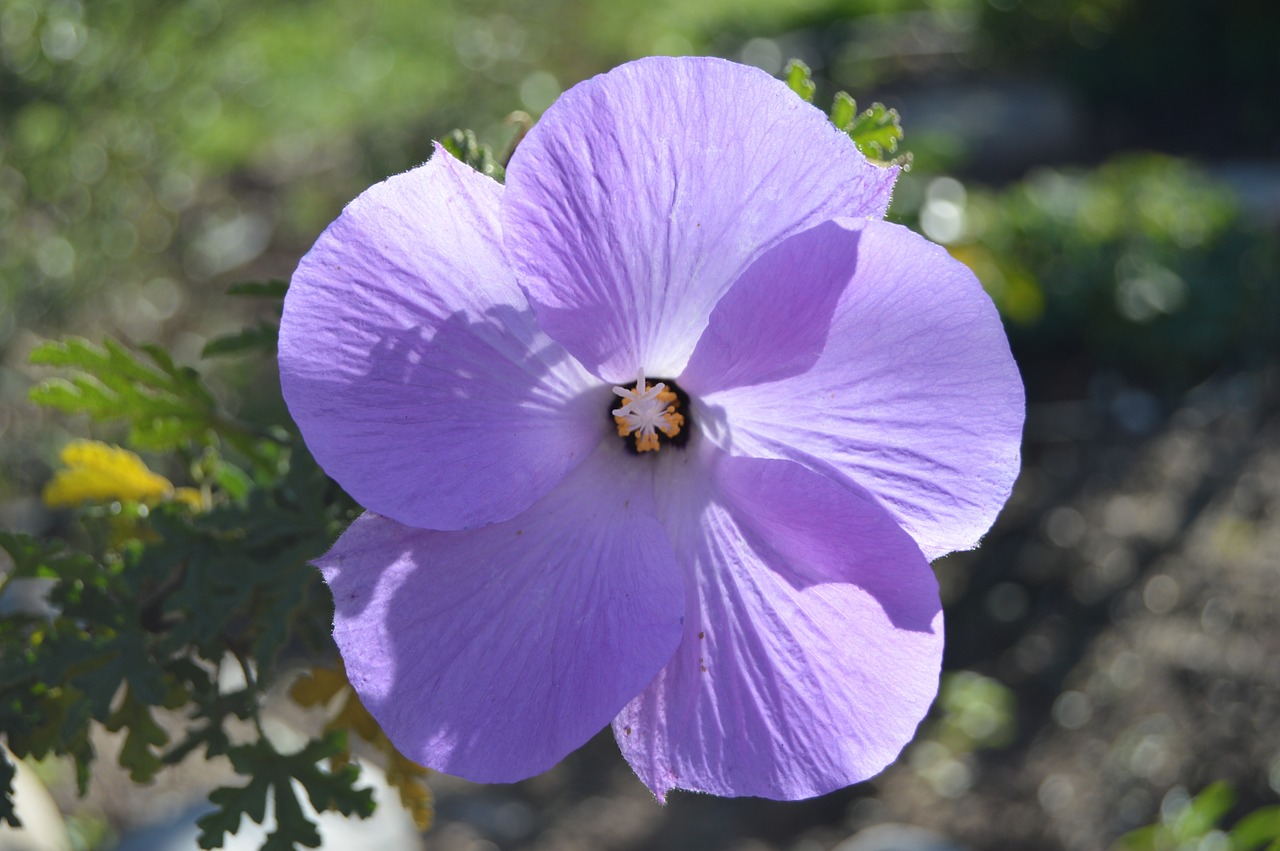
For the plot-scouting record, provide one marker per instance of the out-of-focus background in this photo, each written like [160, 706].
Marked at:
[1109, 168]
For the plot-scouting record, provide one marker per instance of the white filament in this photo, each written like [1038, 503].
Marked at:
[641, 409]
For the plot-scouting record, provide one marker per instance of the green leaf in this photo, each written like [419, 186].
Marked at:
[218, 582]
[292, 825]
[1256, 829]
[272, 774]
[463, 145]
[877, 130]
[843, 109]
[8, 771]
[210, 710]
[237, 577]
[261, 337]
[321, 687]
[39, 721]
[1204, 812]
[233, 803]
[1142, 839]
[332, 790]
[799, 79]
[106, 662]
[143, 734]
[34, 557]
[279, 605]
[232, 479]
[165, 404]
[275, 289]
[58, 674]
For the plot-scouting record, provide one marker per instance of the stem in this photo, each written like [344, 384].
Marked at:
[231, 428]
[251, 683]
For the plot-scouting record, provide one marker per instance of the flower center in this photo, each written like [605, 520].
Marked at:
[651, 412]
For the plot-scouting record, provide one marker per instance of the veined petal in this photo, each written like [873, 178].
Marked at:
[812, 646]
[773, 322]
[915, 395]
[642, 195]
[412, 363]
[492, 653]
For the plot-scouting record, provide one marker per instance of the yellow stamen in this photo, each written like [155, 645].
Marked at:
[647, 409]
[674, 422]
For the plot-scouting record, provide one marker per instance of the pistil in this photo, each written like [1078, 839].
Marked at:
[647, 411]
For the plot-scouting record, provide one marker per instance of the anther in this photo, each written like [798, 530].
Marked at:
[649, 412]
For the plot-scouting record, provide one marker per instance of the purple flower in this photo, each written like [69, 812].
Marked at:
[662, 433]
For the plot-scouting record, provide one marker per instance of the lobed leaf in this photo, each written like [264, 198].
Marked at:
[165, 404]
[233, 803]
[843, 110]
[239, 573]
[319, 687]
[272, 774]
[41, 721]
[877, 130]
[464, 145]
[8, 771]
[143, 734]
[800, 80]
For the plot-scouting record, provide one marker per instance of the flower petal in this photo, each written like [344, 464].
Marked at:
[642, 194]
[413, 365]
[915, 396]
[812, 647]
[773, 322]
[492, 653]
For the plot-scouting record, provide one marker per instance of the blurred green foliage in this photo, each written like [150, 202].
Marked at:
[876, 131]
[972, 713]
[1143, 265]
[1196, 824]
[156, 601]
[976, 712]
[127, 122]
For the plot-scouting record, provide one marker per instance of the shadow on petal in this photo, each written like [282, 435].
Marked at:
[453, 426]
[492, 653]
[814, 529]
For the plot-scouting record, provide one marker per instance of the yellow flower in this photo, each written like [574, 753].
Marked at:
[97, 472]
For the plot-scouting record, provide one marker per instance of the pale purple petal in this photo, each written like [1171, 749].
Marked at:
[492, 653]
[915, 396]
[812, 645]
[773, 322]
[642, 195]
[412, 363]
